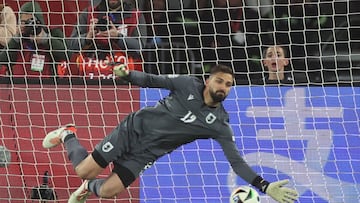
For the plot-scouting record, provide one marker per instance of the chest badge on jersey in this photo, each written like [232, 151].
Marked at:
[210, 118]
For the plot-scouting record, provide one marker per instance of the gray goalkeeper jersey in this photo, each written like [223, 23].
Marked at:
[181, 118]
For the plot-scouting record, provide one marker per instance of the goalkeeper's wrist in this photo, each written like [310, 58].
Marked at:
[126, 77]
[261, 184]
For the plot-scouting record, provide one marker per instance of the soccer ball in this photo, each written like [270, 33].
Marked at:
[244, 194]
[5, 156]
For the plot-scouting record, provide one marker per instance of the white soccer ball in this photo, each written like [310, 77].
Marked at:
[244, 194]
[5, 156]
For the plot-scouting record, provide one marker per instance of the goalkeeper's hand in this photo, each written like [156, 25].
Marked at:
[280, 193]
[121, 70]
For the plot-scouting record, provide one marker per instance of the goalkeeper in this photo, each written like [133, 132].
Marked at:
[193, 110]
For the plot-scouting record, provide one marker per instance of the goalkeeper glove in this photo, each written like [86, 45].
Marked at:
[280, 193]
[121, 70]
[276, 190]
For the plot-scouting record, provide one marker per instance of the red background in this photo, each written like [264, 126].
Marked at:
[28, 112]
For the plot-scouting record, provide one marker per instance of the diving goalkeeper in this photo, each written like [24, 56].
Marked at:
[193, 110]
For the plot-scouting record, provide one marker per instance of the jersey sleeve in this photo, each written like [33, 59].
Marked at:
[238, 164]
[170, 82]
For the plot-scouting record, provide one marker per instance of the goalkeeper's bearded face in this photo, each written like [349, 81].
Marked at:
[219, 85]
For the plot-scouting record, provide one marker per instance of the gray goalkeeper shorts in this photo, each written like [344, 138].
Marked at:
[116, 148]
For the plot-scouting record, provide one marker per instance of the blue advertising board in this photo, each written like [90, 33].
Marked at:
[309, 135]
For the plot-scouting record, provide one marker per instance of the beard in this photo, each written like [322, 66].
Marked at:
[218, 96]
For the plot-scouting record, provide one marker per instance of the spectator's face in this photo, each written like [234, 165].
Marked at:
[23, 18]
[275, 60]
[219, 85]
[114, 4]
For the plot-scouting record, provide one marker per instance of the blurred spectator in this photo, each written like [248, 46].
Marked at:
[275, 63]
[41, 48]
[102, 29]
[112, 20]
[7, 25]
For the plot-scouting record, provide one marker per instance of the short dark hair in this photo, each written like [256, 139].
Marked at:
[283, 47]
[221, 68]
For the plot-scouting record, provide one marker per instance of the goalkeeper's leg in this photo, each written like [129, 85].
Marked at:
[105, 188]
[84, 165]
[87, 168]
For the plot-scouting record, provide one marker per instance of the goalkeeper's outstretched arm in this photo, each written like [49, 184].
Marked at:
[170, 82]
[276, 190]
